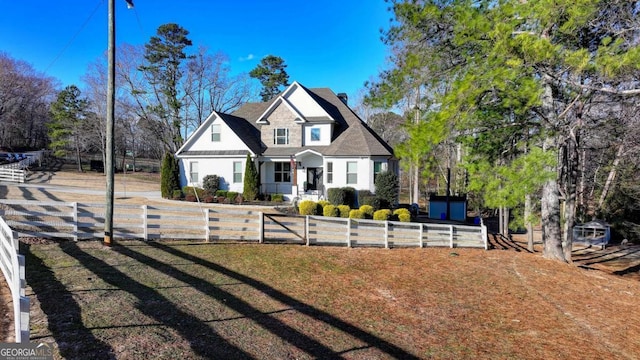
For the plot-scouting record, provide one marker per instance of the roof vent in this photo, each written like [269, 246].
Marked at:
[343, 97]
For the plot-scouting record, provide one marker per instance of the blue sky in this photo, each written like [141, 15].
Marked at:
[333, 43]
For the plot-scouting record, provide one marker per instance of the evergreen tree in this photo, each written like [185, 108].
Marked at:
[164, 55]
[387, 187]
[250, 190]
[272, 75]
[67, 128]
[169, 176]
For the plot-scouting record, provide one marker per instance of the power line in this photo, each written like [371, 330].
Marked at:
[75, 35]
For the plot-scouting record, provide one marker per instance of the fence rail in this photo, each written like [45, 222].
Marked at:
[79, 221]
[13, 269]
[16, 170]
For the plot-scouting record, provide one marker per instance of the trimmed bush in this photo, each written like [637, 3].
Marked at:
[380, 203]
[367, 210]
[336, 196]
[404, 217]
[364, 196]
[277, 197]
[308, 207]
[401, 211]
[323, 203]
[356, 214]
[344, 210]
[190, 190]
[211, 184]
[349, 196]
[232, 195]
[176, 195]
[387, 187]
[330, 210]
[382, 214]
[222, 193]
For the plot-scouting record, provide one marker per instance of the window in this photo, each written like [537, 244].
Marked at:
[282, 172]
[377, 169]
[237, 171]
[193, 172]
[315, 134]
[281, 136]
[215, 132]
[352, 172]
[329, 173]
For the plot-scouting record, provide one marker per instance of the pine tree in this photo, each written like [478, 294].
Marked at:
[272, 75]
[67, 128]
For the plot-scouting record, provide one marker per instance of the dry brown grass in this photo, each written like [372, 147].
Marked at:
[186, 300]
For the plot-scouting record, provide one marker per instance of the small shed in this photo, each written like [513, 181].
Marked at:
[456, 206]
[596, 232]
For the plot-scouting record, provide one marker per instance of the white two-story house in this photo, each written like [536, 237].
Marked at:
[303, 142]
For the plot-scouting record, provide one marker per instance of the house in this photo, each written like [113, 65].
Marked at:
[303, 142]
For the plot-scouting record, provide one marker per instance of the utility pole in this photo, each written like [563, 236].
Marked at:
[111, 99]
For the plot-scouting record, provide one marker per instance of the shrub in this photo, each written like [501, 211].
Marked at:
[277, 197]
[335, 196]
[211, 183]
[404, 217]
[382, 214]
[367, 210]
[190, 190]
[250, 190]
[169, 176]
[387, 187]
[364, 197]
[401, 211]
[330, 210]
[344, 210]
[232, 195]
[380, 203]
[342, 196]
[356, 214]
[222, 193]
[349, 196]
[323, 203]
[308, 207]
[177, 194]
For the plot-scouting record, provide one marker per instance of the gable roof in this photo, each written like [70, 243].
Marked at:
[351, 136]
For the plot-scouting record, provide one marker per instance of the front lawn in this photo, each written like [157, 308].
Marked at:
[176, 300]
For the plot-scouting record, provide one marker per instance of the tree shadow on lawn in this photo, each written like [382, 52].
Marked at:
[271, 324]
[63, 312]
[202, 338]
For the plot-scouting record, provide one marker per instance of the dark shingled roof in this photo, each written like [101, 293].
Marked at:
[351, 136]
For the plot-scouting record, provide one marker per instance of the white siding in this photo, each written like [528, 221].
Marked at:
[228, 139]
[305, 104]
[325, 135]
[221, 167]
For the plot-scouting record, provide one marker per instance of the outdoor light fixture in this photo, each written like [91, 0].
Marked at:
[129, 4]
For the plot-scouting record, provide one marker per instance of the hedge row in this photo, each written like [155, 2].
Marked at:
[309, 207]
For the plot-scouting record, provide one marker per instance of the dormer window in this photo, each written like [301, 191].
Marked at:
[315, 134]
[281, 136]
[215, 133]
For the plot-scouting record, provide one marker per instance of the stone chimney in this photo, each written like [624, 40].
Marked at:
[343, 97]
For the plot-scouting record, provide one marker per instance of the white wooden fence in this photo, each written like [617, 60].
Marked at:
[17, 170]
[13, 269]
[83, 221]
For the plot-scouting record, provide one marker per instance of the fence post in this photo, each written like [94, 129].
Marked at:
[386, 234]
[483, 233]
[261, 227]
[306, 229]
[207, 231]
[451, 236]
[349, 232]
[421, 241]
[145, 229]
[75, 221]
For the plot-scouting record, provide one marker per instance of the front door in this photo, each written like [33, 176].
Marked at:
[314, 178]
